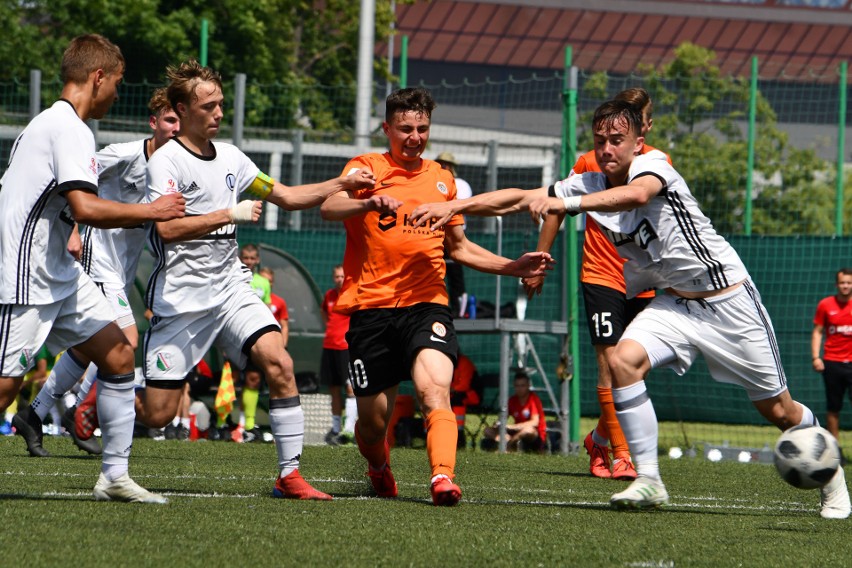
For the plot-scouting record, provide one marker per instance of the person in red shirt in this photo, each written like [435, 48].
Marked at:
[529, 426]
[462, 393]
[278, 305]
[608, 311]
[334, 366]
[833, 321]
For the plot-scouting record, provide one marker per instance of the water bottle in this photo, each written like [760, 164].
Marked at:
[471, 306]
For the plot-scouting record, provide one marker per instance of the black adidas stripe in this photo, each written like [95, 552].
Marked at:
[773, 341]
[22, 289]
[690, 232]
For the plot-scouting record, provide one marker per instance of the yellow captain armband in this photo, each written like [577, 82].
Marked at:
[261, 187]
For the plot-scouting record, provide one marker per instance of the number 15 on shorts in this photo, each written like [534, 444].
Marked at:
[602, 323]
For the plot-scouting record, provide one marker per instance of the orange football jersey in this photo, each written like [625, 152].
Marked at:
[388, 263]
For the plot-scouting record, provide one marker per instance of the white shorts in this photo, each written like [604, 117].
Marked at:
[117, 298]
[733, 333]
[175, 344]
[58, 326]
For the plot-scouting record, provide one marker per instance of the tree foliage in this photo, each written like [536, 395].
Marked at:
[295, 44]
[700, 120]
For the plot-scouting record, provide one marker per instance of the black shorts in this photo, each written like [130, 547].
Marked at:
[334, 367]
[608, 312]
[837, 377]
[383, 343]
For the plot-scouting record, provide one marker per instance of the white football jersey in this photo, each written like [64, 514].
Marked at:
[110, 256]
[197, 275]
[54, 153]
[669, 243]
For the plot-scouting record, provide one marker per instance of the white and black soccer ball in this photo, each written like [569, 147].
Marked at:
[807, 457]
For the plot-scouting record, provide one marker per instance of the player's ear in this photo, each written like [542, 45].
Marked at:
[385, 127]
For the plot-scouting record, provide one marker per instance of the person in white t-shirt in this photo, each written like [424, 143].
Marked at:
[456, 287]
[199, 291]
[45, 296]
[710, 305]
[110, 258]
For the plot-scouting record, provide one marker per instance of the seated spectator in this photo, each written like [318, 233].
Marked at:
[528, 429]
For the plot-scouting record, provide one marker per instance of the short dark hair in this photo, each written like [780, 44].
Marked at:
[846, 270]
[417, 99]
[611, 112]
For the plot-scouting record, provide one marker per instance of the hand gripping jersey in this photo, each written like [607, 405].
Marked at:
[197, 274]
[54, 153]
[668, 243]
[388, 263]
[110, 256]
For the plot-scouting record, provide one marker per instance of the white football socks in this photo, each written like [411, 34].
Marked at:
[351, 415]
[64, 375]
[639, 424]
[287, 422]
[116, 414]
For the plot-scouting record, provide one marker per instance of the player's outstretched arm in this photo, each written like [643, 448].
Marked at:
[471, 254]
[546, 237]
[343, 205]
[306, 196]
[197, 226]
[491, 204]
[636, 194]
[89, 209]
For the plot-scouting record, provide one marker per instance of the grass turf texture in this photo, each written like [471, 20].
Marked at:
[543, 510]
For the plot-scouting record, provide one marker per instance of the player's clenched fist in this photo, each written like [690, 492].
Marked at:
[360, 178]
[167, 207]
[384, 203]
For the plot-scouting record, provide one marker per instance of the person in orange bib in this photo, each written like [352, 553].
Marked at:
[400, 325]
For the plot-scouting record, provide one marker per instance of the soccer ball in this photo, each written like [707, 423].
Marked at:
[807, 457]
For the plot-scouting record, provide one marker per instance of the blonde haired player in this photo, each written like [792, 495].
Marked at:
[199, 291]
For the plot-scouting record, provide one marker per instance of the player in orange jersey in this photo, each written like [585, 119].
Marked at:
[608, 310]
[400, 325]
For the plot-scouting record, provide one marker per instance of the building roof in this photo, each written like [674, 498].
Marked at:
[792, 39]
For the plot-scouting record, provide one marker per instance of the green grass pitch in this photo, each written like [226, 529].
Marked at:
[517, 510]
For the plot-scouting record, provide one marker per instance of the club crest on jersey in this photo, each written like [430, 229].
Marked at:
[164, 361]
[231, 181]
[439, 329]
[171, 187]
[442, 187]
[26, 358]
[93, 166]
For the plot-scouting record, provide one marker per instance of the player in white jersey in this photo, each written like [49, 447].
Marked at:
[110, 258]
[45, 297]
[710, 305]
[199, 291]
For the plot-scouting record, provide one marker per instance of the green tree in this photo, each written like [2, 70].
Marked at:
[699, 120]
[294, 44]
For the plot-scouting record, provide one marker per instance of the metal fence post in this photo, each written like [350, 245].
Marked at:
[35, 92]
[239, 108]
[296, 167]
[493, 148]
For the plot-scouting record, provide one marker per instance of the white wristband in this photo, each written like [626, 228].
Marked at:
[572, 204]
[243, 212]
